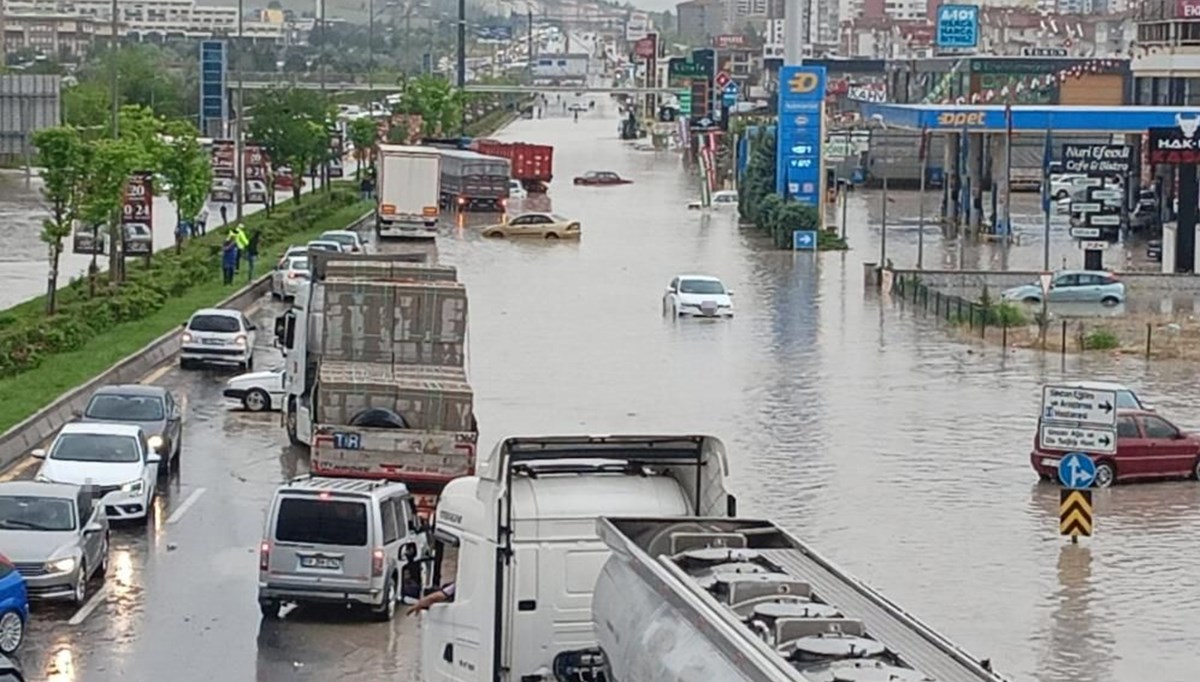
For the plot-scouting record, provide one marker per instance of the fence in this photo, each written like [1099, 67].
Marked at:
[1009, 322]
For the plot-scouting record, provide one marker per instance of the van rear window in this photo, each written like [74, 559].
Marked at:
[322, 522]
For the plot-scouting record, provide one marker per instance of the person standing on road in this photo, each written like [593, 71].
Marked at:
[241, 240]
[224, 215]
[252, 254]
[198, 225]
[229, 256]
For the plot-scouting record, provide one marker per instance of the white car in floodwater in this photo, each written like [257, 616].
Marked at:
[724, 199]
[697, 296]
[256, 391]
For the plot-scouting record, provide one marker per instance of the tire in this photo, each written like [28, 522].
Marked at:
[495, 235]
[81, 594]
[387, 608]
[1196, 470]
[1106, 475]
[269, 608]
[1110, 301]
[256, 400]
[289, 421]
[12, 632]
[551, 236]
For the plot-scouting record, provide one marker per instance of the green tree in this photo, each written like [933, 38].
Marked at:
[148, 76]
[185, 168]
[294, 127]
[363, 134]
[109, 163]
[61, 156]
[439, 105]
[87, 105]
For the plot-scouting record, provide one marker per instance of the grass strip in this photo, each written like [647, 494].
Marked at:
[26, 393]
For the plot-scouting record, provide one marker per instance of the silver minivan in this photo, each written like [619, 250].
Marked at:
[341, 541]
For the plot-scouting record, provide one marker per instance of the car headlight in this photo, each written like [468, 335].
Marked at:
[61, 565]
[133, 486]
[155, 442]
[186, 337]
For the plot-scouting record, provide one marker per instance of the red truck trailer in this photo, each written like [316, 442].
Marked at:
[532, 164]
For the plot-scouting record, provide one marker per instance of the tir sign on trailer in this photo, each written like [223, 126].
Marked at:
[1078, 419]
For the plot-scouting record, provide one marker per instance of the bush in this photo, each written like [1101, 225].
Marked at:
[28, 336]
[1101, 339]
[758, 203]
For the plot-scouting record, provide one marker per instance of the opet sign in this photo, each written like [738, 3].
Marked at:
[961, 119]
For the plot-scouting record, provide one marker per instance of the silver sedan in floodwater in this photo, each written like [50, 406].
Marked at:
[56, 535]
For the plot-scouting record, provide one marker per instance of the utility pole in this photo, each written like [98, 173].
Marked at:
[371, 45]
[239, 150]
[408, 12]
[116, 77]
[529, 43]
[462, 59]
[324, 47]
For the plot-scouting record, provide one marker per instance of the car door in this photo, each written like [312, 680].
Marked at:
[89, 542]
[518, 226]
[1169, 454]
[541, 225]
[249, 328]
[149, 469]
[1064, 288]
[1131, 447]
[1090, 288]
[392, 531]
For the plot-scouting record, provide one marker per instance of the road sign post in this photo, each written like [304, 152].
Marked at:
[1076, 471]
[804, 240]
[1075, 516]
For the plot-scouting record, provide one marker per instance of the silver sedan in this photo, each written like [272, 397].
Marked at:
[56, 535]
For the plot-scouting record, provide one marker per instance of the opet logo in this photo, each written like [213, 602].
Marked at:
[959, 119]
[803, 82]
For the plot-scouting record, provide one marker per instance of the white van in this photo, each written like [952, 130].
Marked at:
[341, 541]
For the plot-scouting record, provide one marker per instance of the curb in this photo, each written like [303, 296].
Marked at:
[44, 423]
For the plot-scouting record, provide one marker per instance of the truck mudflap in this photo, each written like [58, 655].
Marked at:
[419, 457]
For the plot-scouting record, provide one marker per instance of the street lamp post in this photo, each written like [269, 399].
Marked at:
[239, 130]
[462, 60]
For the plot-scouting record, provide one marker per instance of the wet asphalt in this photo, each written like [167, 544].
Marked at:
[895, 450]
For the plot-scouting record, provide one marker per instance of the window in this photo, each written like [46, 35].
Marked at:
[1126, 428]
[94, 447]
[1126, 400]
[701, 286]
[214, 323]
[1159, 428]
[402, 518]
[36, 513]
[1067, 281]
[322, 522]
[131, 408]
[389, 521]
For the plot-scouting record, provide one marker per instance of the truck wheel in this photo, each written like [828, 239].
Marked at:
[290, 422]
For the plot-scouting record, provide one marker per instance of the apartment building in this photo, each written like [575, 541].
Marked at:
[64, 36]
[700, 20]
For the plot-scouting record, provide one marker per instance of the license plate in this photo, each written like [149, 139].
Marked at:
[320, 562]
[213, 342]
[1049, 462]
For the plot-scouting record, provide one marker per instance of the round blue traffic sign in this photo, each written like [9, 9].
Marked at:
[1076, 471]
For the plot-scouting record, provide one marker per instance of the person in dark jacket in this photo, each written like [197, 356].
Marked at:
[229, 256]
[252, 253]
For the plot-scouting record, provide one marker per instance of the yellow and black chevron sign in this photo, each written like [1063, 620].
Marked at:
[1075, 513]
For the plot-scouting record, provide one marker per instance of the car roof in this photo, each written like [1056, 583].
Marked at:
[340, 233]
[225, 312]
[342, 486]
[324, 241]
[131, 389]
[38, 489]
[1083, 272]
[102, 429]
[707, 278]
[541, 213]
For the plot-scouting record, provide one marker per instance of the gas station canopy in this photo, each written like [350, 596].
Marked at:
[990, 118]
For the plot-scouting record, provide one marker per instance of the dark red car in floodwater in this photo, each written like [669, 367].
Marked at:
[1148, 446]
[601, 178]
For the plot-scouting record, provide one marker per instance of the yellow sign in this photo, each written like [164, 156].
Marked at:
[1075, 513]
[803, 82]
[960, 119]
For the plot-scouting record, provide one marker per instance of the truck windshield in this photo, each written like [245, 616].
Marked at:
[322, 522]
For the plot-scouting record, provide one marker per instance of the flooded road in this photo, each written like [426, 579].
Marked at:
[898, 452]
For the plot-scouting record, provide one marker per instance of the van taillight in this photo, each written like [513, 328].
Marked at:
[377, 562]
[264, 556]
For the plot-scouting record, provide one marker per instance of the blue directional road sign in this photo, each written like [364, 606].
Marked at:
[1076, 471]
[805, 240]
[730, 94]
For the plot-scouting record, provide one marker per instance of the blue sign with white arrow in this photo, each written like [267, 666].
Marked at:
[804, 240]
[1076, 471]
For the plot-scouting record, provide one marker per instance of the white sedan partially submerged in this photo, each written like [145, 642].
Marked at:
[725, 198]
[256, 391]
[697, 296]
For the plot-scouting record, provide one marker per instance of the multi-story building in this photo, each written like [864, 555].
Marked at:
[58, 35]
[700, 20]
[1166, 55]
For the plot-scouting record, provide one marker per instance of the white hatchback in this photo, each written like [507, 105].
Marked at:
[219, 336]
[113, 458]
[697, 296]
[287, 277]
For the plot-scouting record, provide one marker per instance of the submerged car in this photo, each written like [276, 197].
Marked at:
[1148, 447]
[56, 536]
[1073, 286]
[697, 296]
[724, 199]
[516, 190]
[601, 178]
[257, 391]
[153, 408]
[539, 225]
[14, 610]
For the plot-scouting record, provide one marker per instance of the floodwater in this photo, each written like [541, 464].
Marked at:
[896, 451]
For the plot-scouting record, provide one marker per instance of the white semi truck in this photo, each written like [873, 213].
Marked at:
[524, 530]
[740, 600]
[408, 188]
[375, 378]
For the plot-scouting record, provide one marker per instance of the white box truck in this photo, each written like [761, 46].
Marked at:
[408, 189]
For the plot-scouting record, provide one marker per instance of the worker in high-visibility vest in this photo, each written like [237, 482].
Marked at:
[241, 240]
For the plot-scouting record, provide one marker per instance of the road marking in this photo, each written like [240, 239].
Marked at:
[19, 469]
[90, 605]
[182, 509]
[157, 374]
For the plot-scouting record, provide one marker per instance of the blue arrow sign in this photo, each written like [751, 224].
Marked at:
[1076, 471]
[806, 240]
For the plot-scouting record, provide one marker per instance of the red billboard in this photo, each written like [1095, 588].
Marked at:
[254, 165]
[646, 48]
[224, 157]
[1187, 9]
[137, 216]
[729, 40]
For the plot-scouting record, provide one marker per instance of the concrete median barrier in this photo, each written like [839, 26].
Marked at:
[36, 429]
